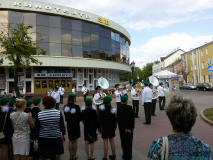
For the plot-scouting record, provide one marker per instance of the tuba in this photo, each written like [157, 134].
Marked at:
[104, 84]
[138, 88]
[154, 81]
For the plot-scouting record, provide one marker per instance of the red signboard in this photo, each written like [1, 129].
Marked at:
[20, 74]
[2, 74]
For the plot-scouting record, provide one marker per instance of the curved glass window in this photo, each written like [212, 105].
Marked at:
[63, 36]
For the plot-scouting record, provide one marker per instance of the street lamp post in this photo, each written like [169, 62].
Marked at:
[137, 71]
[132, 65]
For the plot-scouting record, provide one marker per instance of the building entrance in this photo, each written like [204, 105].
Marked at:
[42, 85]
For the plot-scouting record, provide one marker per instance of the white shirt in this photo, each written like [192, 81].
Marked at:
[57, 97]
[118, 95]
[125, 92]
[83, 89]
[147, 95]
[73, 90]
[13, 95]
[61, 89]
[134, 96]
[97, 96]
[52, 93]
[161, 91]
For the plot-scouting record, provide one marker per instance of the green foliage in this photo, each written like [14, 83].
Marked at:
[147, 70]
[17, 46]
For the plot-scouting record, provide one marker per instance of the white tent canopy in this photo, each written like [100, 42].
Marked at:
[166, 74]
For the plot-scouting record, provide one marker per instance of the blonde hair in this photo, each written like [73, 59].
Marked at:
[20, 102]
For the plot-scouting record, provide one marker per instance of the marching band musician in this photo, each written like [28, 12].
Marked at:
[153, 104]
[74, 91]
[56, 96]
[83, 89]
[147, 101]
[125, 90]
[51, 91]
[135, 100]
[118, 95]
[61, 91]
[98, 96]
[161, 90]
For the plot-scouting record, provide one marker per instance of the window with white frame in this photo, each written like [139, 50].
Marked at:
[191, 67]
[207, 51]
[202, 65]
[202, 53]
[203, 79]
[209, 79]
[195, 67]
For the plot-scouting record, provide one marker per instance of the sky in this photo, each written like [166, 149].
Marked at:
[156, 27]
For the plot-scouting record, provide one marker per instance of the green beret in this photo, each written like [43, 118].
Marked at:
[107, 99]
[29, 102]
[161, 83]
[124, 85]
[146, 82]
[134, 84]
[36, 101]
[124, 98]
[71, 95]
[97, 87]
[12, 101]
[88, 101]
[5, 99]
[117, 85]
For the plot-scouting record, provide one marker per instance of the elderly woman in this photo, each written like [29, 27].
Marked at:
[49, 129]
[182, 144]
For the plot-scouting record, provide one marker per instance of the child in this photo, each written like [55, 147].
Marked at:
[36, 108]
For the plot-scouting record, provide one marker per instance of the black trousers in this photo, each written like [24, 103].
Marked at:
[57, 106]
[153, 106]
[161, 106]
[126, 143]
[135, 104]
[118, 104]
[148, 111]
[98, 110]
[61, 98]
[85, 97]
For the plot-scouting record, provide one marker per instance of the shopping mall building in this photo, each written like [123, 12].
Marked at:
[81, 47]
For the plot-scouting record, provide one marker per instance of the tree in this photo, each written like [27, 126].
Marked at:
[147, 70]
[19, 49]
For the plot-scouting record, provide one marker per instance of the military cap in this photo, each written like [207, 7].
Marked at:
[5, 99]
[71, 95]
[88, 101]
[161, 83]
[97, 87]
[124, 98]
[29, 102]
[107, 99]
[36, 101]
[124, 85]
[117, 85]
[146, 82]
[12, 101]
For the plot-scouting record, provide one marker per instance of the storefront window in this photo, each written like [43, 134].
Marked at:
[63, 82]
[28, 87]
[44, 84]
[28, 73]
[51, 83]
[57, 83]
[68, 83]
[37, 84]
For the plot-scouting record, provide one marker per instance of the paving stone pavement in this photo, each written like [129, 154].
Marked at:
[160, 126]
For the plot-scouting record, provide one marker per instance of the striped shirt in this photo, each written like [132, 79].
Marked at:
[50, 124]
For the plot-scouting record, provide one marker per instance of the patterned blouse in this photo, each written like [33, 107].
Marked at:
[181, 147]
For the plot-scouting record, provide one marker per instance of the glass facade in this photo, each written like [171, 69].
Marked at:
[70, 37]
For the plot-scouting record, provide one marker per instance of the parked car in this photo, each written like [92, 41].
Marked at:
[203, 86]
[181, 86]
[189, 86]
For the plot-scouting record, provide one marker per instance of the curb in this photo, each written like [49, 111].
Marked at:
[204, 117]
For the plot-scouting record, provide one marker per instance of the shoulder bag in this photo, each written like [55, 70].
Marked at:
[165, 149]
[2, 133]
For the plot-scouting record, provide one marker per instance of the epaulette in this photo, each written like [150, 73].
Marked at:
[73, 111]
[102, 107]
[94, 107]
[83, 108]
[66, 109]
[113, 110]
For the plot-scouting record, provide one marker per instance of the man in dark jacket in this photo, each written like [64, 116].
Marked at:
[126, 123]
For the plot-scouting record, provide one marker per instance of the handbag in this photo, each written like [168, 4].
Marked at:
[93, 139]
[165, 149]
[2, 133]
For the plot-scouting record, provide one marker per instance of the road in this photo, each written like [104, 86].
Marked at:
[144, 135]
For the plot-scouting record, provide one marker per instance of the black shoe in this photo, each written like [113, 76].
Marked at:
[104, 159]
[154, 115]
[146, 123]
[112, 157]
[137, 117]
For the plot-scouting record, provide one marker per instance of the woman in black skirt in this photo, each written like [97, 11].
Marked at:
[90, 120]
[107, 126]
[5, 127]
[72, 114]
[49, 128]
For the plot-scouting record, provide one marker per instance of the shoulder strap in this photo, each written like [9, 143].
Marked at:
[165, 149]
[4, 121]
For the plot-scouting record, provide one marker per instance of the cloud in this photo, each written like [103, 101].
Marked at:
[164, 45]
[144, 14]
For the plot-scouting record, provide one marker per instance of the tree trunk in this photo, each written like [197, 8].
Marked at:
[16, 83]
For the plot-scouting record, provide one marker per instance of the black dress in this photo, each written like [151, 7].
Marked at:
[8, 128]
[90, 120]
[72, 115]
[107, 121]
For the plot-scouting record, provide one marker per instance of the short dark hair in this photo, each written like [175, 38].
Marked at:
[71, 99]
[48, 102]
[182, 113]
